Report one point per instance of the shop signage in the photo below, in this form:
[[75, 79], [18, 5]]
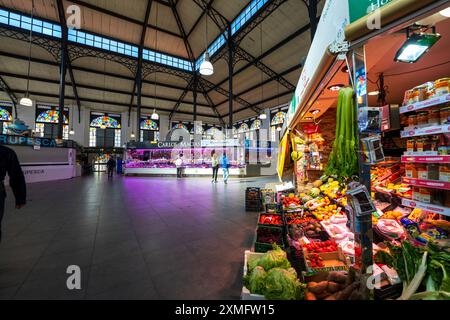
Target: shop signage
[[221, 143], [361, 8], [331, 27], [24, 141]]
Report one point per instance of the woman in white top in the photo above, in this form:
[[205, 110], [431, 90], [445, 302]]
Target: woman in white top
[[215, 165], [179, 165]]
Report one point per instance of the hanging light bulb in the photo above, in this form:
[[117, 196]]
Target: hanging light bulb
[[263, 116], [71, 132], [279, 128], [155, 116], [26, 101], [206, 68], [132, 135]]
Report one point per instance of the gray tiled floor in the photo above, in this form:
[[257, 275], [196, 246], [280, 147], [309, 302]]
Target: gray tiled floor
[[134, 238]]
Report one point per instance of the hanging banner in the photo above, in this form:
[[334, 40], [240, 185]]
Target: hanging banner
[[334, 18]]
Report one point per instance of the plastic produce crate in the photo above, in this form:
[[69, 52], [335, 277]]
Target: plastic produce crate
[[246, 294]]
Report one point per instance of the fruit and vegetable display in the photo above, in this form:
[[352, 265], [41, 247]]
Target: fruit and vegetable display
[[343, 161], [425, 271], [312, 229], [321, 247], [272, 276], [291, 201], [338, 285], [269, 235], [271, 219]]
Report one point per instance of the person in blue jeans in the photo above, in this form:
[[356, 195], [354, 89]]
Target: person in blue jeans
[[225, 168]]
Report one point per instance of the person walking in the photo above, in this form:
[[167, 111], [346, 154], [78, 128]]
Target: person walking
[[225, 168], [110, 165], [179, 165], [215, 165], [9, 164]]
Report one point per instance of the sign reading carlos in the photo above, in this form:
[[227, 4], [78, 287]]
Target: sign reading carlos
[[25, 141]]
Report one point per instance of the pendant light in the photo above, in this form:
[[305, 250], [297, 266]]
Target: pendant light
[[132, 135], [25, 100], [155, 116], [263, 115], [206, 67]]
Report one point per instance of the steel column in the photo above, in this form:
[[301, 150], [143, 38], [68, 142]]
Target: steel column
[[62, 69], [230, 77]]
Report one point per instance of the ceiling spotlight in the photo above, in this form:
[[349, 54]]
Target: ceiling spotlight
[[316, 111], [445, 12], [374, 93], [71, 132], [263, 116], [416, 46], [133, 135], [278, 128], [336, 87], [206, 67]]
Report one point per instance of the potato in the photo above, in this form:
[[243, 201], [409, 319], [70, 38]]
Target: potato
[[323, 295], [318, 287], [332, 297], [333, 287], [345, 294], [337, 276]]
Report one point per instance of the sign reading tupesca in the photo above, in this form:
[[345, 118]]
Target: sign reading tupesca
[[25, 141]]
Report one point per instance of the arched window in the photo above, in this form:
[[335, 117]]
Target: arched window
[[277, 121], [105, 122], [278, 118], [243, 128], [180, 126], [105, 130], [47, 121], [256, 125], [5, 119], [211, 133], [149, 130]]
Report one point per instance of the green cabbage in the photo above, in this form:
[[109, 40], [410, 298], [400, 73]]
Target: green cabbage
[[257, 280], [274, 259], [282, 284]]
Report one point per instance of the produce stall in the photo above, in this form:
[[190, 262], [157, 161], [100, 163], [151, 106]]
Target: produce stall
[[372, 227]]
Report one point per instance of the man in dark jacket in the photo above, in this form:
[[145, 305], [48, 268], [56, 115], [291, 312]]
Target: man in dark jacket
[[110, 165], [9, 164]]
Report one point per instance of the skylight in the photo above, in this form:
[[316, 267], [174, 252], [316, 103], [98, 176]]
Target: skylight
[[91, 40]]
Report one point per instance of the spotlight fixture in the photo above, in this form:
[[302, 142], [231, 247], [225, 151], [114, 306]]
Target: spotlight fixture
[[71, 132], [316, 111], [132, 135], [279, 128], [445, 12], [206, 67], [345, 69], [416, 45], [263, 116], [336, 87], [374, 93]]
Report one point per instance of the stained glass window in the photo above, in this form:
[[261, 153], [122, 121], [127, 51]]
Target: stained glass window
[[149, 124], [256, 125], [243, 128], [180, 126], [278, 118], [105, 122], [50, 116], [5, 115]]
